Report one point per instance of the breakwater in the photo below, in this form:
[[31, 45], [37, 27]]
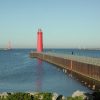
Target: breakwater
[[84, 69]]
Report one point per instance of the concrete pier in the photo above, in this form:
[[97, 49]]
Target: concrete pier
[[84, 69]]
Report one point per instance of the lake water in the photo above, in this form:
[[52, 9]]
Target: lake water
[[20, 73]]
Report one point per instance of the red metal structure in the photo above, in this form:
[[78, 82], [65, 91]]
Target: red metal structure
[[39, 41]]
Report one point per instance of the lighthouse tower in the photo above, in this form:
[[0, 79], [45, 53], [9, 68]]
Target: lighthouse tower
[[39, 41]]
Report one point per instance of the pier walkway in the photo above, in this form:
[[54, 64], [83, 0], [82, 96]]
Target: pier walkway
[[83, 59]]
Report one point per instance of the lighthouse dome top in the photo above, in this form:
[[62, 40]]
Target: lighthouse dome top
[[39, 30]]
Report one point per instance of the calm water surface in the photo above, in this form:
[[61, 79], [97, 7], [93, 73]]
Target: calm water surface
[[20, 73]]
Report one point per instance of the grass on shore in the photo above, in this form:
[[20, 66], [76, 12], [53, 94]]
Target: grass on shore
[[27, 96]]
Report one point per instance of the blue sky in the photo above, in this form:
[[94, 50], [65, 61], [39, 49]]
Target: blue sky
[[65, 23]]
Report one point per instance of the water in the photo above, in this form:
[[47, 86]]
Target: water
[[20, 73]]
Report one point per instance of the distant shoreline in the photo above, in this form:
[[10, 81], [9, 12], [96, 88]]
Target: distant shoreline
[[54, 48]]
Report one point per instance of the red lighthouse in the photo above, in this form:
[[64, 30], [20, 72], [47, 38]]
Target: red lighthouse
[[39, 41]]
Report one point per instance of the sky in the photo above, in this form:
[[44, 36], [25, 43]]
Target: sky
[[65, 23]]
